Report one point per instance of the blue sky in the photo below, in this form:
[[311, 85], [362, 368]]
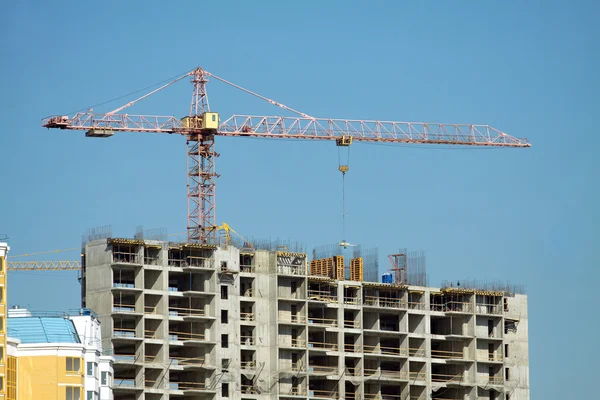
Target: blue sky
[[525, 215]]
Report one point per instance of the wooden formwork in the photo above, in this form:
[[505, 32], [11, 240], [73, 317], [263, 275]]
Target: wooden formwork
[[356, 269]]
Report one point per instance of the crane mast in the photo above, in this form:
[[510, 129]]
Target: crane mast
[[202, 126]]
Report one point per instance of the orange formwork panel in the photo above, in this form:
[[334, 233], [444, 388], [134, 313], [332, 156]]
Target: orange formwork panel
[[356, 269]]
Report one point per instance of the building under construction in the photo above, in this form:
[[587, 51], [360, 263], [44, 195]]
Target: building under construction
[[197, 321]]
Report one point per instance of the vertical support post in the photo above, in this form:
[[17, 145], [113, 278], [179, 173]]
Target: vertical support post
[[201, 168]]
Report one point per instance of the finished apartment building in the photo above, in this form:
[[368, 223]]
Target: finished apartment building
[[192, 321]]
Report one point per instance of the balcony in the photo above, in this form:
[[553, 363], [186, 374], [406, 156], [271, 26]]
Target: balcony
[[249, 389], [384, 302], [247, 317], [124, 358], [447, 378], [453, 306], [123, 308], [417, 376], [186, 336], [125, 257], [329, 322], [491, 380], [377, 373], [125, 333], [377, 396], [188, 313], [291, 342], [322, 370], [489, 309], [247, 340], [126, 384], [294, 391], [443, 354], [291, 319], [322, 346], [151, 310], [385, 350], [416, 305], [248, 364], [290, 366], [189, 386], [323, 296], [322, 394], [247, 293], [249, 269]]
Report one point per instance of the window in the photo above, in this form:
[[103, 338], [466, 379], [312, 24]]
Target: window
[[225, 390], [225, 364], [1, 324], [505, 304], [507, 373], [224, 341], [90, 395], [103, 378], [72, 392], [224, 292], [90, 370], [492, 395], [1, 354], [73, 364], [505, 350], [224, 317], [507, 396]]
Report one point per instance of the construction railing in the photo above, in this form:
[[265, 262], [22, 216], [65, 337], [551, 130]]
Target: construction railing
[[294, 391], [447, 378], [488, 308], [391, 374], [124, 308], [416, 352], [150, 359], [377, 301], [124, 333], [124, 257], [247, 340], [352, 348], [377, 396], [292, 342], [320, 295], [199, 262], [186, 312], [189, 385], [489, 357], [247, 268], [491, 380], [182, 336], [247, 316], [289, 366], [352, 371], [453, 306], [296, 319], [351, 300], [125, 383], [417, 376], [150, 310], [249, 389], [447, 354], [176, 262], [183, 361], [376, 349], [348, 323], [150, 334], [416, 305], [323, 345], [322, 369], [124, 358], [322, 394], [148, 383], [123, 284], [323, 321], [249, 364], [150, 260]]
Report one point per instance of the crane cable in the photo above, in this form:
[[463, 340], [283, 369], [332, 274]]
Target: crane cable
[[343, 168]]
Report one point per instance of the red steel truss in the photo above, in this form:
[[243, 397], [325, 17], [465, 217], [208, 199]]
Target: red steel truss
[[200, 142]]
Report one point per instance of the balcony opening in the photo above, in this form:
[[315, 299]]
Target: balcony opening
[[225, 389], [247, 262], [152, 255]]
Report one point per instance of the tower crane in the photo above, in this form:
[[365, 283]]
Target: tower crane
[[202, 126]]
